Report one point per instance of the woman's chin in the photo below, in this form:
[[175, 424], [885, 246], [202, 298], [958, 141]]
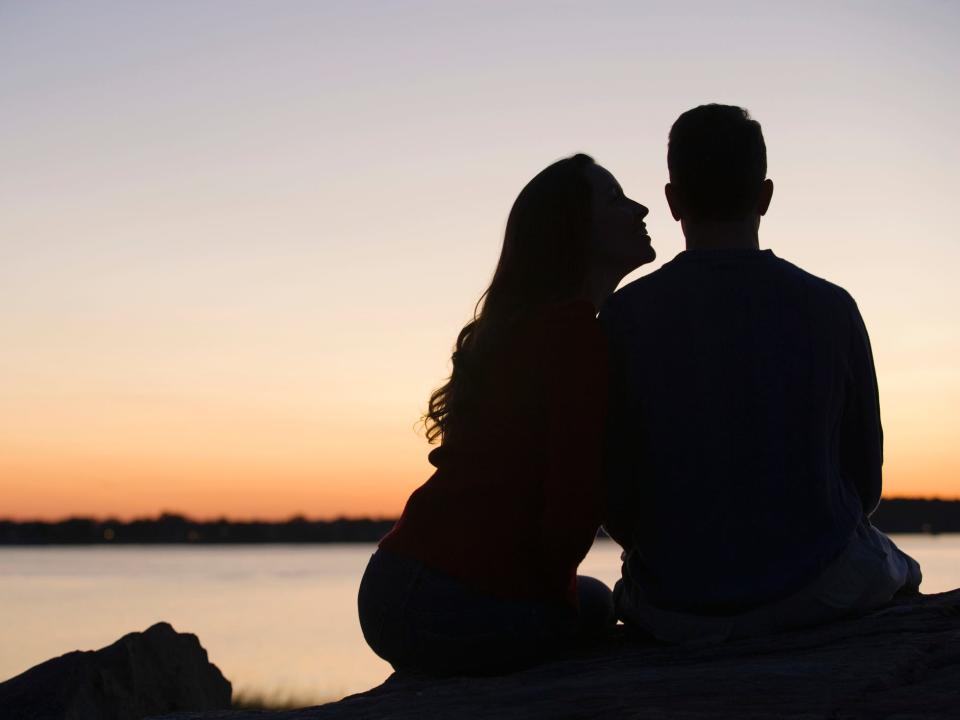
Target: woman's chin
[[627, 262], [647, 255]]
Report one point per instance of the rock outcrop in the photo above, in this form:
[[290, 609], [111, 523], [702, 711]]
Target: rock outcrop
[[149, 673], [901, 662]]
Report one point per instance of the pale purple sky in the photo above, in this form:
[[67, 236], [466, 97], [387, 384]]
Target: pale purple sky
[[237, 239]]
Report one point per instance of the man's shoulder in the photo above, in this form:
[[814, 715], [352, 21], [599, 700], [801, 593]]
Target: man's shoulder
[[636, 292], [814, 284], [671, 279]]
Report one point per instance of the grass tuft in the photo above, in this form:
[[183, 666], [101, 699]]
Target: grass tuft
[[254, 700]]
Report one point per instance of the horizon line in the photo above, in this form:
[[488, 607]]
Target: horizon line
[[301, 517]]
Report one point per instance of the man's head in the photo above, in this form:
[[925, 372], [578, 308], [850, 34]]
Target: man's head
[[718, 166]]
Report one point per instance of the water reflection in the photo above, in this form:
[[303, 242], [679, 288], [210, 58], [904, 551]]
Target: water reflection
[[279, 620]]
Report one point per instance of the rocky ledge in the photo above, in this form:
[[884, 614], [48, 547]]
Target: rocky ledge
[[143, 673], [900, 662]]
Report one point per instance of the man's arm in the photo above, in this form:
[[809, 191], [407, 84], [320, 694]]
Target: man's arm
[[617, 518], [574, 376], [861, 435]]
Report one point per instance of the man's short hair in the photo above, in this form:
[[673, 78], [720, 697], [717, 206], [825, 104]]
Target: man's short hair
[[717, 161]]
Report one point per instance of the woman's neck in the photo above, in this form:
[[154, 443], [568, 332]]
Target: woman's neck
[[599, 285]]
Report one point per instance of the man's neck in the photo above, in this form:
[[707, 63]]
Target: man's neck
[[720, 235]]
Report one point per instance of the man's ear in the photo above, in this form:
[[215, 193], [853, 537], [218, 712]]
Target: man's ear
[[766, 194], [671, 194]]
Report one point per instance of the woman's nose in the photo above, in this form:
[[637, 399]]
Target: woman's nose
[[642, 211]]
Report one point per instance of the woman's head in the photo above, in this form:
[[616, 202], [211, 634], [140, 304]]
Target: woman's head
[[619, 241], [546, 243], [569, 221]]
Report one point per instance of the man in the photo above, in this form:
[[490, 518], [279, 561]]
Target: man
[[745, 445]]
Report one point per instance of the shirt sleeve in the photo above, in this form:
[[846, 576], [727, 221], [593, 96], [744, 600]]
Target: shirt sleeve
[[574, 372], [861, 434]]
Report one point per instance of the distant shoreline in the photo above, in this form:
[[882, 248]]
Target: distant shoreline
[[896, 516]]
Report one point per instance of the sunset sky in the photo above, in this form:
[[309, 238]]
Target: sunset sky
[[237, 239]]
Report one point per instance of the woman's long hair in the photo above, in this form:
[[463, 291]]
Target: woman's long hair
[[543, 260]]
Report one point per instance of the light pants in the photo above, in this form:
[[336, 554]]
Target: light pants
[[865, 576]]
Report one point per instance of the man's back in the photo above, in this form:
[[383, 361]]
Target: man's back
[[744, 437]]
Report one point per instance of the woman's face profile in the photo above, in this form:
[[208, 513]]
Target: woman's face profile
[[619, 238]]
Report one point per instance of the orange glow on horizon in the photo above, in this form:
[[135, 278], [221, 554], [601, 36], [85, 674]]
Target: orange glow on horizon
[[250, 492]]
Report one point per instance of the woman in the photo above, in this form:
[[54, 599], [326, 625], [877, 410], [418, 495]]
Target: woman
[[479, 573]]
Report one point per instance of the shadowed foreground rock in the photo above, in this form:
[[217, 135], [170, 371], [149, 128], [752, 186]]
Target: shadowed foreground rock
[[156, 671], [902, 662]]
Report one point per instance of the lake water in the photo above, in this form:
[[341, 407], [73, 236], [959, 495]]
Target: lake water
[[278, 620]]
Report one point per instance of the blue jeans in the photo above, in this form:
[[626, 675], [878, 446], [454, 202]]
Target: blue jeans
[[421, 620]]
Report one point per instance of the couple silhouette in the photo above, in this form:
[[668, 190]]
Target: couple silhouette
[[720, 419]]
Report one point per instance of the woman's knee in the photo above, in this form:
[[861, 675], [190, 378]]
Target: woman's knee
[[386, 589], [596, 605]]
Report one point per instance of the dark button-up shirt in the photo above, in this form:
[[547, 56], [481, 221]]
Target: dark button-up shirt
[[744, 438]]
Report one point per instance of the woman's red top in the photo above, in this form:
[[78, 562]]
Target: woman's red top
[[516, 498]]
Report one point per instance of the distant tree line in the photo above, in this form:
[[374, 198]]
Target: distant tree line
[[893, 516], [170, 528], [907, 515]]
